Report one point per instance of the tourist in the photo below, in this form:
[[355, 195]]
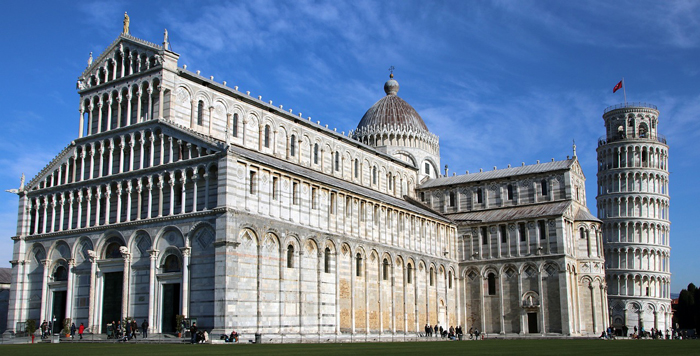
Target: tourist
[[193, 333], [72, 331], [80, 330], [144, 328]]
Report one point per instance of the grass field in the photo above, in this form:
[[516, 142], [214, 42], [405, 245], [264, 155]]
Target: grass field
[[486, 347]]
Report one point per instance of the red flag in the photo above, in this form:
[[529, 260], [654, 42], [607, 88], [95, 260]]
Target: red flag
[[617, 86]]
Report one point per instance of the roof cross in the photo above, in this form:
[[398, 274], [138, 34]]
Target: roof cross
[[391, 71]]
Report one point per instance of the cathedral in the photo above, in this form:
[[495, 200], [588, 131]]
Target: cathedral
[[183, 197]]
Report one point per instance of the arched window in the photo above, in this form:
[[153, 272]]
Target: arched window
[[385, 269], [266, 139], [357, 168], [293, 145], [358, 265], [452, 199], [234, 128], [374, 175], [432, 277], [582, 233], [427, 168], [290, 256], [327, 260], [200, 113], [543, 184], [479, 195], [112, 251], [492, 284], [449, 279], [315, 153], [337, 161], [61, 274], [409, 274], [172, 264]]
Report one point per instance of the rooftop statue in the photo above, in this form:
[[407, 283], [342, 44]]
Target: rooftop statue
[[126, 24]]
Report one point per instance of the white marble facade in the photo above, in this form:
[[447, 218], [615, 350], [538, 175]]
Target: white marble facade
[[182, 195]]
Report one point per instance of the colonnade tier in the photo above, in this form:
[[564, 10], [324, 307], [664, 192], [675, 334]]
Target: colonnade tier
[[397, 136], [633, 181], [128, 104], [646, 207], [638, 231], [117, 154], [638, 285], [650, 154], [177, 191], [646, 258]]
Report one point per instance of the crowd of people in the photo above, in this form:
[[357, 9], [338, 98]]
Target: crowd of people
[[640, 333], [451, 333], [128, 331]]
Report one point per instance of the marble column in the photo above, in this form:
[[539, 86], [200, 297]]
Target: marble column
[[125, 282], [186, 251], [131, 152], [160, 102], [129, 189], [150, 197], [153, 255], [92, 325], [183, 198], [69, 290], [44, 292], [194, 178], [108, 206], [92, 161]]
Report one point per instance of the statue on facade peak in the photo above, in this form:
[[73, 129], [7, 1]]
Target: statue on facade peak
[[90, 59], [126, 24]]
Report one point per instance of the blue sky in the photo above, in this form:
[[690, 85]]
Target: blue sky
[[501, 82]]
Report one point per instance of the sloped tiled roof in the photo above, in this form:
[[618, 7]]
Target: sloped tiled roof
[[5, 275], [513, 213], [584, 215], [500, 173]]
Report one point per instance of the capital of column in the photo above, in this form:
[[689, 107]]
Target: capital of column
[[153, 254], [92, 255], [46, 263], [124, 251], [186, 251]]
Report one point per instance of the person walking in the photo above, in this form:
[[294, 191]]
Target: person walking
[[144, 328], [193, 333], [72, 331], [81, 328], [134, 328]]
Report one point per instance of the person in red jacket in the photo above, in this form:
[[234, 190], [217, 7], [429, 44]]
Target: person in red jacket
[[80, 330]]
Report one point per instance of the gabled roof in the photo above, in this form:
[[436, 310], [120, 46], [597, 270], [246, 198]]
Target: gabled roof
[[500, 173], [121, 38]]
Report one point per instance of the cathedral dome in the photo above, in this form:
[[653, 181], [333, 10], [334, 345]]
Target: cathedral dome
[[391, 112]]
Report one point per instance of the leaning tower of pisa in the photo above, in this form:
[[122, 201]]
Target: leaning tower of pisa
[[633, 202]]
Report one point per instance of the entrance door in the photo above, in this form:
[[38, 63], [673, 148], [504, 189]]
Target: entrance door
[[58, 311], [171, 306], [532, 323], [112, 298]]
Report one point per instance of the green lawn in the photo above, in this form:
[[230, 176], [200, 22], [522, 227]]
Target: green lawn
[[486, 347]]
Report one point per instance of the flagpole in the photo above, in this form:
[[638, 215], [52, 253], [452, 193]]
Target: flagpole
[[624, 92]]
